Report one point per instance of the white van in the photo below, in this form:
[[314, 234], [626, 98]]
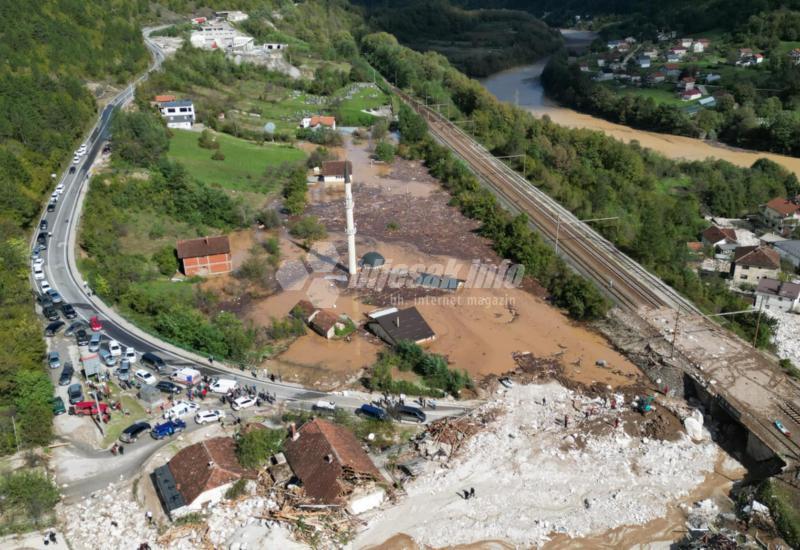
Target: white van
[[187, 376], [223, 385], [181, 409]]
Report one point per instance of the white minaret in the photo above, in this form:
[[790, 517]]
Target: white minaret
[[351, 226]]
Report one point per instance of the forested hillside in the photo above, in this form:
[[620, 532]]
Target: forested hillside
[[478, 42], [50, 50]]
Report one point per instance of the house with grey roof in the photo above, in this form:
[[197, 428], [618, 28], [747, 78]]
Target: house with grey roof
[[776, 295], [179, 114], [789, 250]]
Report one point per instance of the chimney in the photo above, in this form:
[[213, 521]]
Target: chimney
[[293, 432], [206, 239], [328, 458], [397, 320], [210, 464]]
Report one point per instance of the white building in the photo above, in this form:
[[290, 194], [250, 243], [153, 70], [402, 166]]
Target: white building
[[219, 35], [198, 476], [777, 296], [752, 263], [232, 16], [179, 114]]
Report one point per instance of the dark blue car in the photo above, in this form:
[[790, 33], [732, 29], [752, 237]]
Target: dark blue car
[[168, 428], [373, 412]]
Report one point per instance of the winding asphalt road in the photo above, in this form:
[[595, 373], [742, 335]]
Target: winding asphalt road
[[63, 275]]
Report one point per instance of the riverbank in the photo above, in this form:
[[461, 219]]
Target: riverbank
[[522, 86]]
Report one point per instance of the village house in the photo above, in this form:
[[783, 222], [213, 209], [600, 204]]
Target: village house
[[794, 55], [686, 42], [680, 52], [333, 468], [178, 113], [198, 476], [672, 70], [322, 321], [205, 256], [782, 214], [691, 95], [644, 62], [686, 83], [336, 171], [776, 295], [584, 67], [392, 326], [711, 78], [722, 238], [752, 263], [232, 16], [221, 35], [789, 250], [652, 53], [318, 121], [708, 102], [657, 77], [673, 58]]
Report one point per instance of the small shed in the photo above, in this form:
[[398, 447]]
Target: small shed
[[372, 259], [150, 395], [91, 365], [406, 324]]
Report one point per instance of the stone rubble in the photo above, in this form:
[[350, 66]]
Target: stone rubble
[[786, 337]]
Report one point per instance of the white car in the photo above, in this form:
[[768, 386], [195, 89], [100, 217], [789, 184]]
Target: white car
[[54, 196], [59, 188], [213, 415], [38, 273], [38, 262], [223, 385], [114, 348], [130, 355], [181, 409], [243, 402], [76, 159], [44, 285], [145, 377]]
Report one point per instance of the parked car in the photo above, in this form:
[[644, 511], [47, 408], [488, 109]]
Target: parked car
[[168, 428], [37, 261], [54, 360], [327, 406], [187, 375], [44, 300], [94, 342], [414, 413], [222, 385], [373, 412], [50, 313], [130, 355], [41, 240], [54, 328], [108, 359], [58, 406], [68, 311], [153, 361], [124, 371], [168, 387], [76, 326], [89, 408], [506, 381], [45, 286], [132, 432], [114, 348], [66, 374], [203, 417], [95, 324], [43, 225], [59, 190], [82, 337], [145, 377], [181, 409], [38, 272], [72, 169], [243, 402], [75, 393], [782, 428], [51, 206], [55, 296]]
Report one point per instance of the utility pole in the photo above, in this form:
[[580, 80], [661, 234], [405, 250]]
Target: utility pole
[[758, 322], [558, 225], [675, 332]]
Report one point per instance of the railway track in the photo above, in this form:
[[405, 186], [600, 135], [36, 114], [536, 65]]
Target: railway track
[[622, 279]]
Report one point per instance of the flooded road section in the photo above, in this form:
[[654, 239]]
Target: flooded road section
[[522, 86]]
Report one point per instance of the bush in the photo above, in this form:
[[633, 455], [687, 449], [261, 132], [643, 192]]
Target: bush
[[140, 138], [384, 151], [289, 327], [318, 156], [432, 368], [236, 490], [309, 229], [29, 498], [167, 261], [269, 218], [219, 155], [207, 140], [255, 447]]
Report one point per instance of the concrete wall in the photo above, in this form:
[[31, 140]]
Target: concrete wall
[[207, 499], [752, 274], [207, 265]]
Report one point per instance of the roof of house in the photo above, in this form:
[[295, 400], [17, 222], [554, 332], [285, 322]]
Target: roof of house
[[323, 120], [774, 287], [204, 246], [178, 103], [694, 246], [206, 465], [164, 98], [784, 207], [324, 320], [405, 324], [757, 256], [304, 308], [716, 234], [322, 454], [337, 168], [791, 247]]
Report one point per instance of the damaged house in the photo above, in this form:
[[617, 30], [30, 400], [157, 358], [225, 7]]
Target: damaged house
[[333, 468]]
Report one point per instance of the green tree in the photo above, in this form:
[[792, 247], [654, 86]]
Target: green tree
[[255, 447], [384, 151], [308, 228], [140, 138], [412, 126], [167, 260]]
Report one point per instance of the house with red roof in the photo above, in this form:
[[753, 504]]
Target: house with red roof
[[318, 121], [782, 214], [752, 263], [205, 256]]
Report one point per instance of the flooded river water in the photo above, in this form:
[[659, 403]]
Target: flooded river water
[[522, 86]]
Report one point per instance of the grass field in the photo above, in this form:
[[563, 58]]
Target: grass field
[[350, 109], [244, 164]]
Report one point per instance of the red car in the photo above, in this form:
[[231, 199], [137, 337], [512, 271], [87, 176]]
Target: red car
[[95, 324]]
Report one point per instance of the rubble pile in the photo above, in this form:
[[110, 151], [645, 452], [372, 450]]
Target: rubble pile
[[111, 516], [785, 338], [539, 468], [444, 437]]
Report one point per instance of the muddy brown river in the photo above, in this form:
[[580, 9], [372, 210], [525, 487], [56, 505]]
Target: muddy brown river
[[522, 86]]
